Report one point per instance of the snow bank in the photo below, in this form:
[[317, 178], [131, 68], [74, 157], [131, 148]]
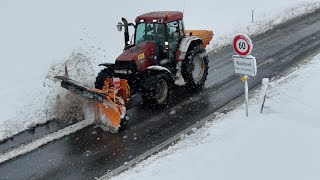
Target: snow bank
[[26, 148], [37, 37], [50, 100], [281, 143], [274, 14]]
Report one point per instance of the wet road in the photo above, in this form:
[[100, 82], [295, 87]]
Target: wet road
[[91, 152]]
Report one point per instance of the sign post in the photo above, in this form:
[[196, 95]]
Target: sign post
[[244, 63]]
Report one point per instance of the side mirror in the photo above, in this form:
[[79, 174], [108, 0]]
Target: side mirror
[[119, 26]]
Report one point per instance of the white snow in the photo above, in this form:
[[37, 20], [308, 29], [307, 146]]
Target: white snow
[[26, 148], [37, 37], [281, 143], [44, 140], [158, 68]]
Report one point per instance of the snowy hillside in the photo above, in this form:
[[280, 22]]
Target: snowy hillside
[[37, 37], [281, 143]]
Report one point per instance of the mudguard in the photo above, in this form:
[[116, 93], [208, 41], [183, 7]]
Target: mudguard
[[109, 66], [156, 68], [184, 46]]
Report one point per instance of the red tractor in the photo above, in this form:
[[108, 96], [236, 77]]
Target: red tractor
[[160, 54]]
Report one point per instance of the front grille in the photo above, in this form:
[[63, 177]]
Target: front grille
[[128, 65], [134, 78]]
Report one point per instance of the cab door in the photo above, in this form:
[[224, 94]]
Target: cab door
[[174, 30]]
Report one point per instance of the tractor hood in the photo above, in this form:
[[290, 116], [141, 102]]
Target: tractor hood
[[141, 52]]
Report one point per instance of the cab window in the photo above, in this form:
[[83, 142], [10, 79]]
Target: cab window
[[174, 36], [150, 32]]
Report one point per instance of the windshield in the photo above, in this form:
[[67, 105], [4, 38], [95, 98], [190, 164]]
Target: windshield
[[150, 32]]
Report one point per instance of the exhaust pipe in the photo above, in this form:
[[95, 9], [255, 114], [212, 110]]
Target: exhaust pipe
[[126, 33]]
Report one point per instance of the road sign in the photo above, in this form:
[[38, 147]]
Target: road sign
[[245, 65], [242, 44]]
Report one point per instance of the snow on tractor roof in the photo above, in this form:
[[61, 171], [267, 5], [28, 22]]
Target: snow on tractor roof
[[160, 17]]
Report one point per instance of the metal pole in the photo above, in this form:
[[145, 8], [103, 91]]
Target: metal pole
[[66, 73], [264, 88], [246, 89], [252, 16]]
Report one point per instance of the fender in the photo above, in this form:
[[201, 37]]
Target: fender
[[160, 68], [109, 66], [184, 46]]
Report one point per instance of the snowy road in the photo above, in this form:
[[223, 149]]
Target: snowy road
[[91, 152]]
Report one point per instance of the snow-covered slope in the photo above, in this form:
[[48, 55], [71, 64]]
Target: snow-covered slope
[[37, 37], [281, 143]]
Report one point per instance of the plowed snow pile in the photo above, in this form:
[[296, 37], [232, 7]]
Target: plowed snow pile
[[51, 101]]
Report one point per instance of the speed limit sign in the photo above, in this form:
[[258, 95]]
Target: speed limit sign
[[242, 44], [244, 63]]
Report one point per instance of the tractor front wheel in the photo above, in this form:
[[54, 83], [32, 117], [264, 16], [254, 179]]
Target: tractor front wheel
[[156, 89], [102, 76]]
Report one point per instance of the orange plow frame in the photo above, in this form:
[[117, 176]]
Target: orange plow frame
[[113, 106], [110, 110]]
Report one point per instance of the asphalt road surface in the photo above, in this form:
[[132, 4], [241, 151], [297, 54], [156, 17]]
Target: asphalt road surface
[[91, 152]]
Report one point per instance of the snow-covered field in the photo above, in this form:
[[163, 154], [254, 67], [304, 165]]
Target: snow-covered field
[[37, 37], [282, 143]]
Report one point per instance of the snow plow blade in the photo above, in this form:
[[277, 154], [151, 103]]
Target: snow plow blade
[[110, 110], [79, 88]]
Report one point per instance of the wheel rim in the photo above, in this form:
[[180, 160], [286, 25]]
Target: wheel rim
[[198, 68], [162, 90]]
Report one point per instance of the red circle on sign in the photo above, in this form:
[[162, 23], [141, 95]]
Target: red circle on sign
[[242, 45]]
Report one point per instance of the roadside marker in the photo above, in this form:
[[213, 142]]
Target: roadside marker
[[263, 94]]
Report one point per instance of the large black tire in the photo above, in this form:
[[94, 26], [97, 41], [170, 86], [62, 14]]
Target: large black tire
[[195, 68], [157, 89], [102, 75]]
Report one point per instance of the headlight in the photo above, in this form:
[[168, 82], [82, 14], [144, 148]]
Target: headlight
[[122, 71]]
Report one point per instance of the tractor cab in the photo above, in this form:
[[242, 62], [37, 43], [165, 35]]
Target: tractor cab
[[161, 30], [164, 28]]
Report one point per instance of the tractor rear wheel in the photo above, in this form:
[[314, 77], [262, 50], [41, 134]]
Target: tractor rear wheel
[[156, 89], [102, 76], [195, 68]]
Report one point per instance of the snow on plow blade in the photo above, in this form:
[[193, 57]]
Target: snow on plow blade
[[110, 111]]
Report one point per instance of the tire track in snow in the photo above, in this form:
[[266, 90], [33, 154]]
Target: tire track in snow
[[26, 148]]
